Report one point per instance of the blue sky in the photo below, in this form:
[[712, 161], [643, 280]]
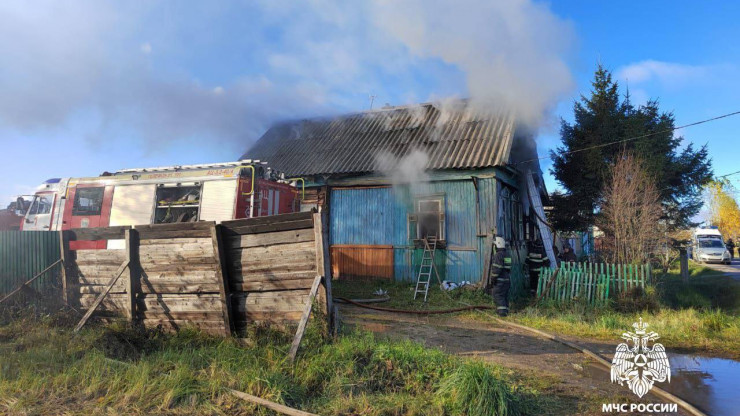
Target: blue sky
[[88, 86]]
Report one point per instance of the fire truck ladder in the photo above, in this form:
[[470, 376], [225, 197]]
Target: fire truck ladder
[[427, 265]]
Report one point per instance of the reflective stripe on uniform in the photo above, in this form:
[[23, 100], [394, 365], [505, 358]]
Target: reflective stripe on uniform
[[496, 265], [503, 280], [502, 308], [536, 260]]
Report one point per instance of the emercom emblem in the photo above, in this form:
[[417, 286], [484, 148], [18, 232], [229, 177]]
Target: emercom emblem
[[640, 366]]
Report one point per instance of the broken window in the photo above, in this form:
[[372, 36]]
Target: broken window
[[429, 218], [88, 201], [177, 203]]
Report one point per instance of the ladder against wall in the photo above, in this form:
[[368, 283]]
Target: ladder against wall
[[427, 267]]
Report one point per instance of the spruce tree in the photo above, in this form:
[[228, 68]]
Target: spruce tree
[[604, 117]]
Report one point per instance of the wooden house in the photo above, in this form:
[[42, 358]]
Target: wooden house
[[389, 177]]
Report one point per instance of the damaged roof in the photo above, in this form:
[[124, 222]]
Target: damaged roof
[[454, 135]]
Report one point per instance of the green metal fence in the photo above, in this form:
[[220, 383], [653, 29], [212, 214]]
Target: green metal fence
[[23, 254], [594, 282]]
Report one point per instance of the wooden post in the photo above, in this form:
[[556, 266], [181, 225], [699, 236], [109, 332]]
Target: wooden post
[[276, 407], [134, 272], [684, 260], [222, 276], [65, 257], [321, 267], [304, 319]]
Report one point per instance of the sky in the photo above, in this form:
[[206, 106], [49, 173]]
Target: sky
[[91, 86]]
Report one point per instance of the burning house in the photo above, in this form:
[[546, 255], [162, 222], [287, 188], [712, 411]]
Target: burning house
[[391, 177]]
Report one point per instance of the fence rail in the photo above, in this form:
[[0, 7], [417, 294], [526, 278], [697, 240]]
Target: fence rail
[[594, 282]]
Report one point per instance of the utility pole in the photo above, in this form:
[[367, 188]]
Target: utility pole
[[372, 99]]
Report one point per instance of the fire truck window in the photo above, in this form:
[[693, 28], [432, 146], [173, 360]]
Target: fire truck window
[[41, 205], [177, 204], [88, 201]]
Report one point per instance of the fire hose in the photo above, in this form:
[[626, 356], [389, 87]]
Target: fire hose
[[416, 312]]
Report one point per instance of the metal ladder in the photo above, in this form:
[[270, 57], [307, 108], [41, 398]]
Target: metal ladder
[[427, 265]]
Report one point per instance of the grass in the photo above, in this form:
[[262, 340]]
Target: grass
[[46, 369], [699, 316]]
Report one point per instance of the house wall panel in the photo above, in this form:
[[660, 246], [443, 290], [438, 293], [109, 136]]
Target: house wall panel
[[379, 216], [362, 261]]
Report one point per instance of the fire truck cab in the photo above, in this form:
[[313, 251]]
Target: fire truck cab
[[208, 192]]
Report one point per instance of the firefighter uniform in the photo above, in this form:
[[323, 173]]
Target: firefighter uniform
[[536, 260], [499, 280]]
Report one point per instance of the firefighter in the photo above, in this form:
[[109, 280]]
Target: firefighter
[[731, 248], [568, 255], [499, 275], [536, 260]]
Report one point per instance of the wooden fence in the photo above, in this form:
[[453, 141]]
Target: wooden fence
[[594, 282], [218, 277]]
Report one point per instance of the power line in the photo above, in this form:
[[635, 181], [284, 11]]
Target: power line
[[637, 137]]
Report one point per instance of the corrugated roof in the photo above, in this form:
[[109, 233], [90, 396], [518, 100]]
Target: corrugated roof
[[453, 135]]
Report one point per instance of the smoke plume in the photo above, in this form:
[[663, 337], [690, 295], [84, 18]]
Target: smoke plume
[[168, 71], [513, 52]]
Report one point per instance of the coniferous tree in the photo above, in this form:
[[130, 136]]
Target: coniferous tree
[[604, 117]]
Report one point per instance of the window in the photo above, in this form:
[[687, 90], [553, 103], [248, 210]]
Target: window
[[179, 203], [430, 217], [41, 205], [88, 201]]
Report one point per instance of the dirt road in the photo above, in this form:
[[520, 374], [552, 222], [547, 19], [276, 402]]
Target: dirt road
[[567, 373]]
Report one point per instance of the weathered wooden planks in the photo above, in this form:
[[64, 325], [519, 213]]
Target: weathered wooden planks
[[106, 233], [269, 239], [218, 278]]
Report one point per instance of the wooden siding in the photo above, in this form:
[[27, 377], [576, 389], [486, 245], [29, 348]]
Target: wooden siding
[[362, 261]]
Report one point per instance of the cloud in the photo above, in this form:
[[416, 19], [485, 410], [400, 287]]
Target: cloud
[[146, 48], [666, 73]]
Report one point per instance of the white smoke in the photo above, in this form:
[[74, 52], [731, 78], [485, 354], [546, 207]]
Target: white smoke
[[406, 170], [513, 52]]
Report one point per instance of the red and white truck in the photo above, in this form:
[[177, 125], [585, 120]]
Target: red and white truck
[[206, 192]]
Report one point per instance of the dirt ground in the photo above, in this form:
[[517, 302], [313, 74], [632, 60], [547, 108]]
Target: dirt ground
[[567, 373]]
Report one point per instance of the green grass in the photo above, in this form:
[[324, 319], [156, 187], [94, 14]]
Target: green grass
[[45, 368], [699, 316]]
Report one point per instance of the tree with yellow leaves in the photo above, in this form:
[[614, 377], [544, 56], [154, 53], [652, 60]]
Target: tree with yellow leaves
[[722, 208]]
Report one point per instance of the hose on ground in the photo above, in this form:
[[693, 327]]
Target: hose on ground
[[364, 301], [417, 312]]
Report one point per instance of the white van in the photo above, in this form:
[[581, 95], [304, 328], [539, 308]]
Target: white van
[[708, 246]]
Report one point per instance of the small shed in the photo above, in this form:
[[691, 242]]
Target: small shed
[[392, 176]]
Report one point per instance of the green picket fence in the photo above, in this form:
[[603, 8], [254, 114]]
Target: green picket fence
[[594, 282]]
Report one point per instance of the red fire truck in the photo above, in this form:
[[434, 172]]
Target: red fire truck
[[207, 192]]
